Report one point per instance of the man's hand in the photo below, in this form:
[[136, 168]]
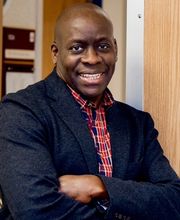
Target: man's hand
[[83, 188]]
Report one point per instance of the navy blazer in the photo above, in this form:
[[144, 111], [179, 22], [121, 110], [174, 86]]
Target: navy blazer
[[43, 136]]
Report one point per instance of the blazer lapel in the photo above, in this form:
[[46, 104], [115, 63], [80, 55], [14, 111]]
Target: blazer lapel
[[119, 133], [66, 107]]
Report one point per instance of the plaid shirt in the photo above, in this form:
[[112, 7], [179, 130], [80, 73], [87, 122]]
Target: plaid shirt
[[96, 121]]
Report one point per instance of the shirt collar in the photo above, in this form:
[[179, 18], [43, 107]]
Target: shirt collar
[[107, 100]]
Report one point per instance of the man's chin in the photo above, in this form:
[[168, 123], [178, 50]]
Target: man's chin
[[92, 96]]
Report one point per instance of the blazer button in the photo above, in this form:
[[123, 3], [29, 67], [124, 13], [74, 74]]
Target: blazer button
[[118, 215], [121, 217]]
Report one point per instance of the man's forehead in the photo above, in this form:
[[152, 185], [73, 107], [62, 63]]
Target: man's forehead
[[85, 20], [84, 27]]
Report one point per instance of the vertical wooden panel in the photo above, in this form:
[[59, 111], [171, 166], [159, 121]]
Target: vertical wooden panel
[[51, 10], [0, 47], [162, 73]]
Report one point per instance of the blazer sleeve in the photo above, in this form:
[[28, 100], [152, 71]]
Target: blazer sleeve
[[157, 196], [28, 177]]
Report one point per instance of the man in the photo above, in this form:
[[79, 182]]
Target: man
[[68, 150]]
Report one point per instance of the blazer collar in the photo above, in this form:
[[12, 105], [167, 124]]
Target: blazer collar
[[63, 103], [118, 128]]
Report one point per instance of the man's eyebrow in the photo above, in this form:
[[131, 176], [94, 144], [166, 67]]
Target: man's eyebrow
[[103, 39], [76, 40]]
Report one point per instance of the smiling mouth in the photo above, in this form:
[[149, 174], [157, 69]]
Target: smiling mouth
[[91, 76]]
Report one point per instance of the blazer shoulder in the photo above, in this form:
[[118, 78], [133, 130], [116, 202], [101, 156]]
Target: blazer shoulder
[[32, 94], [27, 96], [123, 107], [131, 113]]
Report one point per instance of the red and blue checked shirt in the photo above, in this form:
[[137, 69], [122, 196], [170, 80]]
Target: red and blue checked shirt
[[96, 121]]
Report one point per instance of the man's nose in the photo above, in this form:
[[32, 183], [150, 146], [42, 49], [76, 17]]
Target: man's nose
[[91, 56]]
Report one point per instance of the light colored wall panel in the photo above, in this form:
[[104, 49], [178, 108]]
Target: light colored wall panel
[[162, 73], [20, 14]]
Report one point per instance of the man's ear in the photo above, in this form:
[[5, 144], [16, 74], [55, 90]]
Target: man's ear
[[54, 52]]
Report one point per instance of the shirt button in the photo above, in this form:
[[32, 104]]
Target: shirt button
[[121, 217], [90, 104]]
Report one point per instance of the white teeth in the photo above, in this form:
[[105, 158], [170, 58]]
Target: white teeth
[[91, 76]]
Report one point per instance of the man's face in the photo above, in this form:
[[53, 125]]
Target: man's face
[[86, 55]]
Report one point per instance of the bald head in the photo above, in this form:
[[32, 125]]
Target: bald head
[[81, 11]]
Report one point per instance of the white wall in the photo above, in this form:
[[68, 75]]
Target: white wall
[[20, 14]]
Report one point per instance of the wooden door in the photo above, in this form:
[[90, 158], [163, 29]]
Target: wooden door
[[162, 73]]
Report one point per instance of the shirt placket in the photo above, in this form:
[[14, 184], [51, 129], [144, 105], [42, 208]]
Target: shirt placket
[[100, 139]]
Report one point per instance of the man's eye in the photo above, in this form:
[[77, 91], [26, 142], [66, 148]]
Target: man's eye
[[76, 49], [104, 46]]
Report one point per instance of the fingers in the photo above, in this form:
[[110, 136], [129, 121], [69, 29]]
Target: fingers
[[82, 188]]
